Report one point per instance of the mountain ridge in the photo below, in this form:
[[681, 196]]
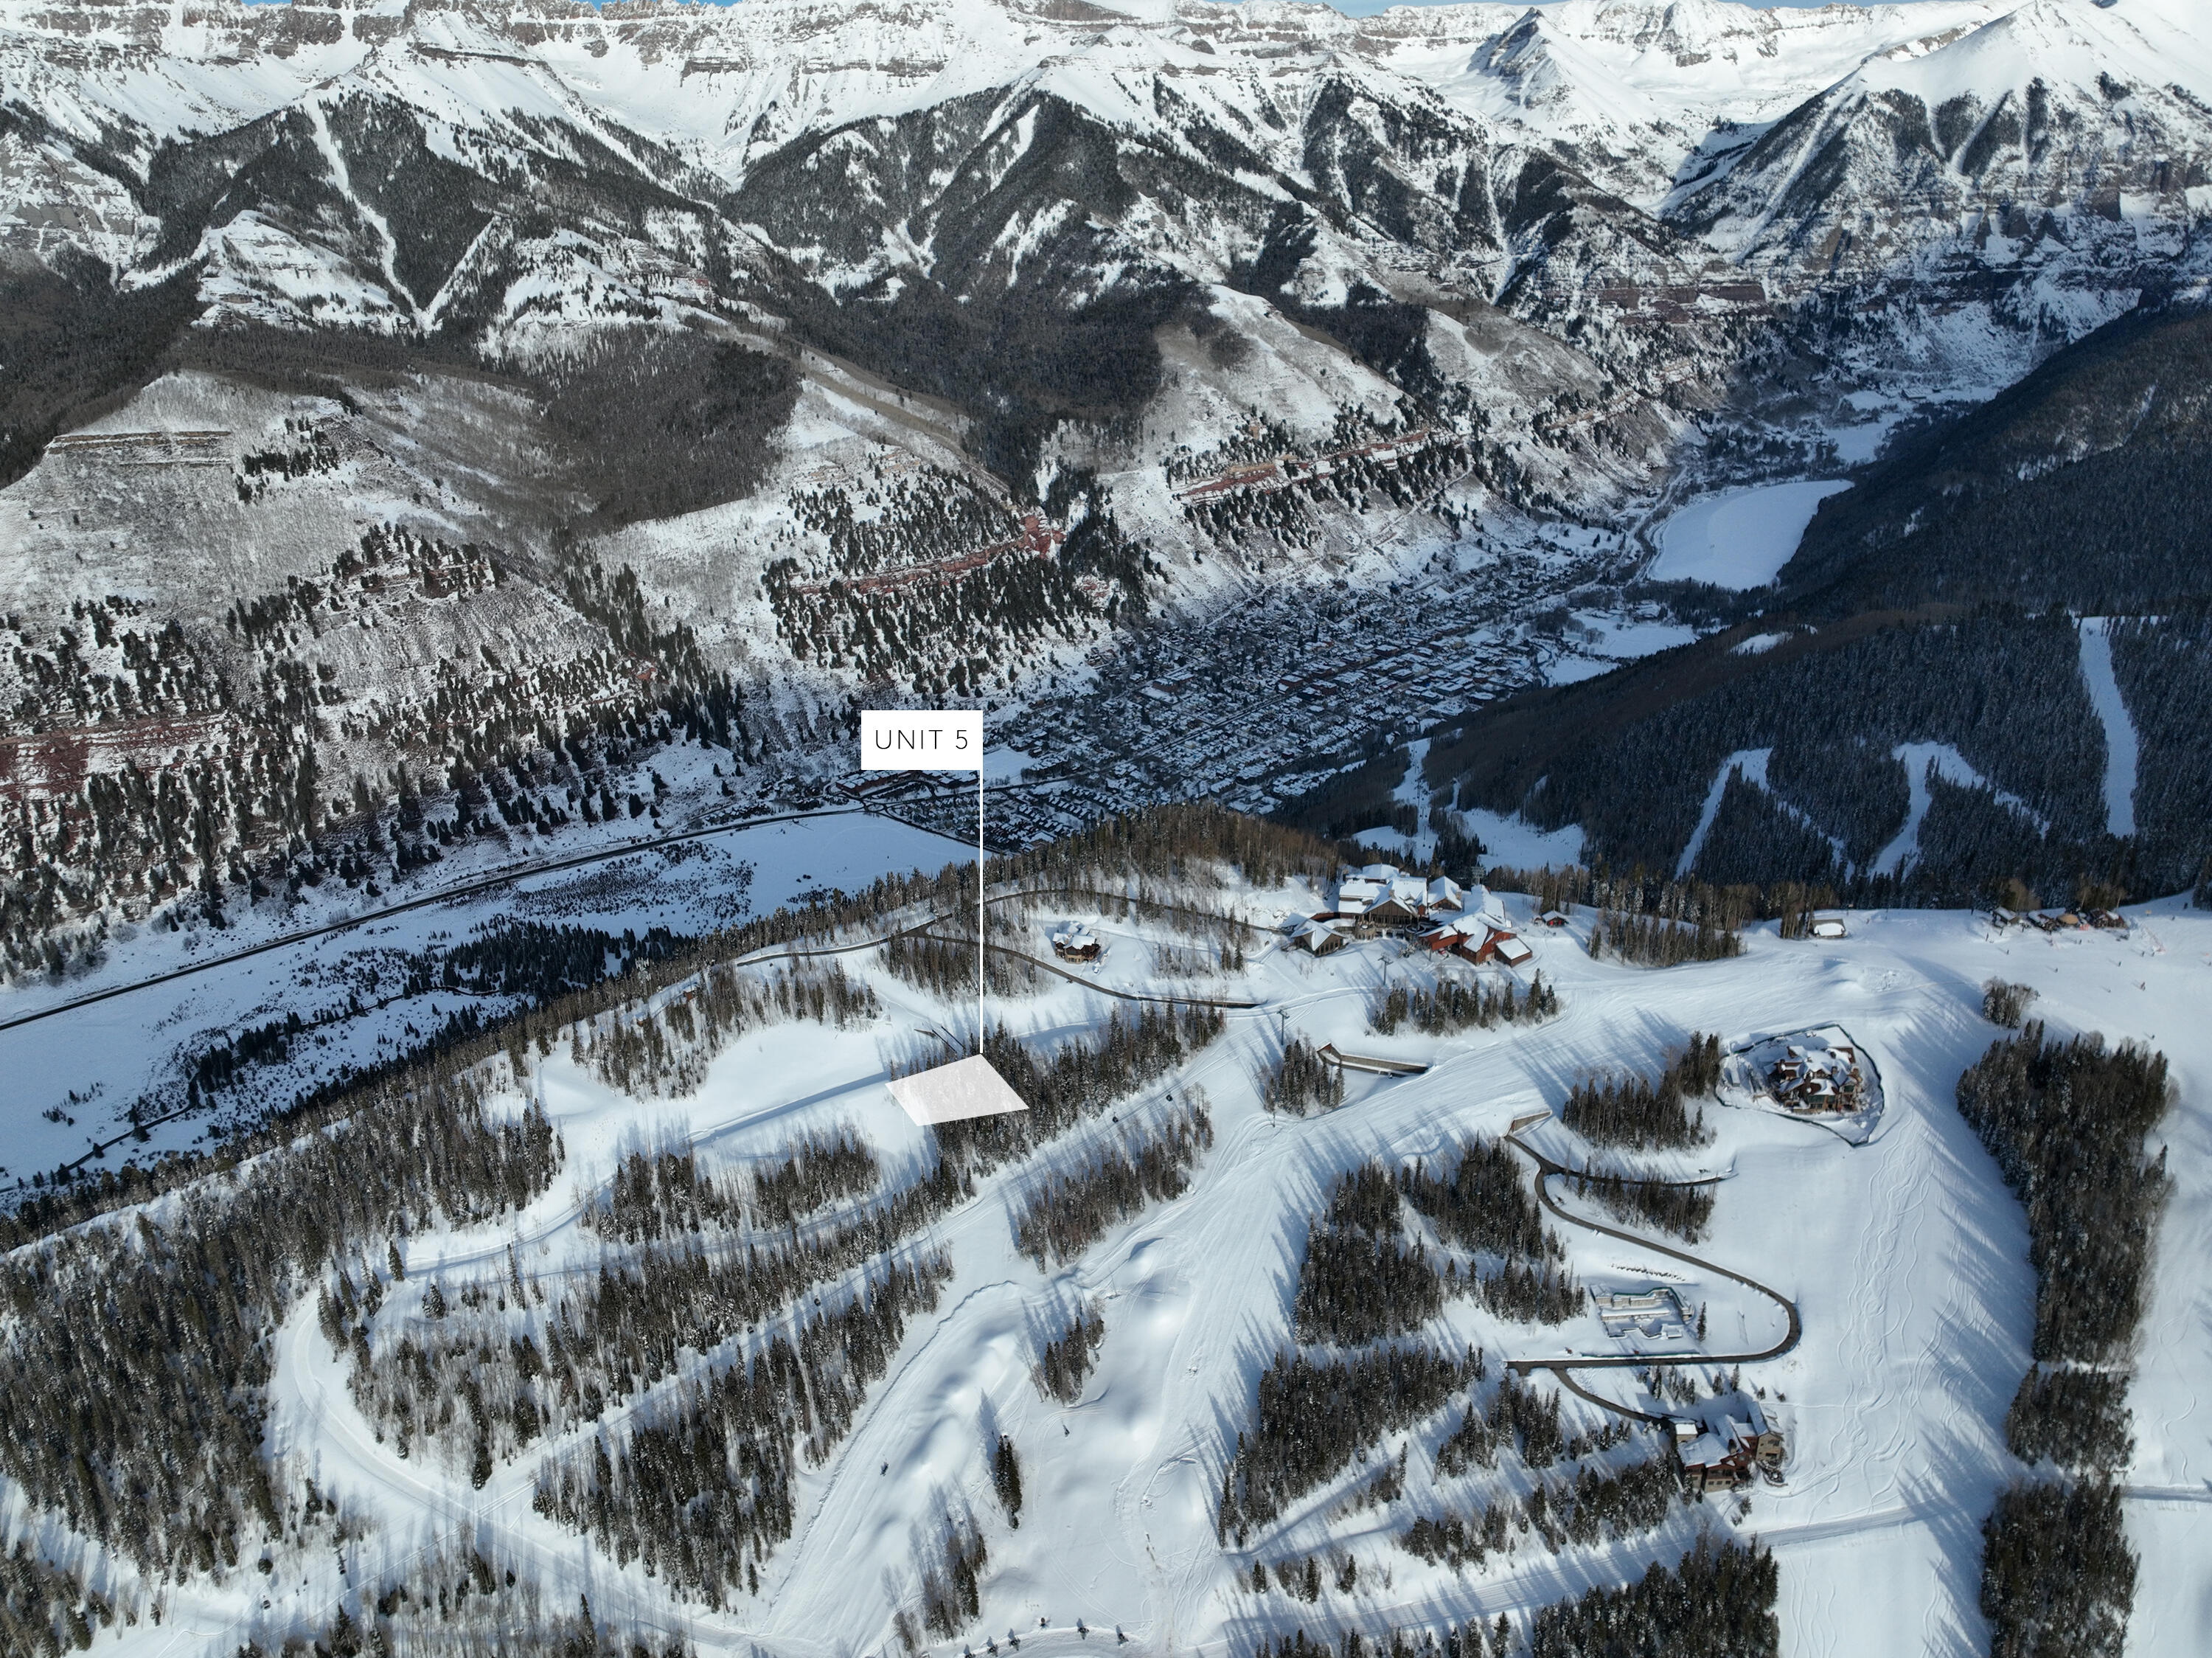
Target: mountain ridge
[[1261, 310]]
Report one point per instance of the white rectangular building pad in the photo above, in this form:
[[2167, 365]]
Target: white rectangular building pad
[[947, 1093]]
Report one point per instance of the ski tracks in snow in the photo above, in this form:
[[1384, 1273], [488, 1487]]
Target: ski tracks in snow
[[419, 1509]]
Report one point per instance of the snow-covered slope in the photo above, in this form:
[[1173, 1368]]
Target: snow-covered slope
[[1679, 107], [1644, 181], [1904, 1256], [1637, 94], [2064, 140]]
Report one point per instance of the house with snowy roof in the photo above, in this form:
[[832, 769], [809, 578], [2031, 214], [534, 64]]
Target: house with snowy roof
[[1356, 894], [1076, 943], [1478, 939], [1316, 937], [1655, 1311], [1401, 903], [1724, 1458], [1817, 1077], [1707, 1461], [1380, 897]]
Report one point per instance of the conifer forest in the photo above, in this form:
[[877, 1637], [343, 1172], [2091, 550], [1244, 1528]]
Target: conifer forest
[[1013, 828]]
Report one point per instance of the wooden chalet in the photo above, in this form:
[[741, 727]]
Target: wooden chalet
[[1391, 913], [1382, 899], [1724, 1459], [1809, 1080], [1076, 943], [2066, 921], [1316, 936], [1480, 940]]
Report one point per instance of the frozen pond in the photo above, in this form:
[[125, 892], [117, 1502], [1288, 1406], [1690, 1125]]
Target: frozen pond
[[1739, 538]]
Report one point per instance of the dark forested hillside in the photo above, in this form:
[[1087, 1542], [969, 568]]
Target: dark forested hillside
[[68, 341], [2067, 1123], [1815, 728], [2163, 667], [2087, 485], [1718, 1603], [1931, 604]]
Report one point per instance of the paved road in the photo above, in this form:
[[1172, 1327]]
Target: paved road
[[766, 955], [1078, 979], [444, 895], [1546, 1170]]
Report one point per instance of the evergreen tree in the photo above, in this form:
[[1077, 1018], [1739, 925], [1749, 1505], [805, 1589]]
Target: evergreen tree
[[1007, 1480]]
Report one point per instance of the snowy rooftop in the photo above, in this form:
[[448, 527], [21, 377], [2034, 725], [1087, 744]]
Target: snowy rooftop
[[1706, 1451]]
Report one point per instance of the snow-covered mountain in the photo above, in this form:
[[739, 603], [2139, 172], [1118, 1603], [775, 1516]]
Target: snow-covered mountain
[[791, 308], [463, 467], [365, 164], [2063, 144]]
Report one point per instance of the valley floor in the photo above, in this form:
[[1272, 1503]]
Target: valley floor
[[97, 1060]]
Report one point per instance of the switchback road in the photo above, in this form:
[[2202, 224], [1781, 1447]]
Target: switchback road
[[1547, 1169]]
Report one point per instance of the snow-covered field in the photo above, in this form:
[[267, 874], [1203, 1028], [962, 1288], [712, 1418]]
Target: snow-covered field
[[1738, 538], [74, 1076], [1519, 844], [1905, 1256], [1603, 642]]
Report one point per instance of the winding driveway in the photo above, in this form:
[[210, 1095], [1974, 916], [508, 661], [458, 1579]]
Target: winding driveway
[[1546, 1170]]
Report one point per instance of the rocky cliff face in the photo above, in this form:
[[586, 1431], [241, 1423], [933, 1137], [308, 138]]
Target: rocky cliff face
[[1646, 182], [789, 309]]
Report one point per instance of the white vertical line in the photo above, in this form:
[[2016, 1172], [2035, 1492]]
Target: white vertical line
[[2121, 752], [979, 904]]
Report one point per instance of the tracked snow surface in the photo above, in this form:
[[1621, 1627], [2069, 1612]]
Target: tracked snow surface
[[1904, 1256]]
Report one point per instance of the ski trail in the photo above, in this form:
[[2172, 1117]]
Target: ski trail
[[1753, 763], [1919, 759], [1414, 790], [342, 176], [2120, 753], [421, 1505], [1904, 845], [1757, 774]]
